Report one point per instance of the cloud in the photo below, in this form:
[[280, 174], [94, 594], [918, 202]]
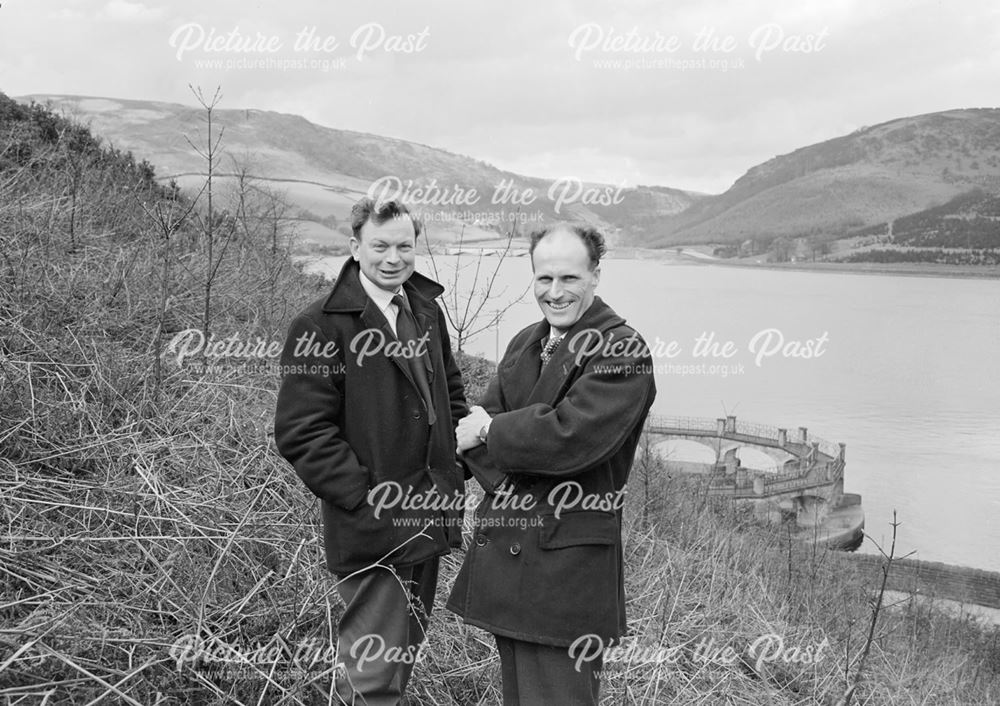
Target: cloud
[[496, 87], [66, 14], [125, 11]]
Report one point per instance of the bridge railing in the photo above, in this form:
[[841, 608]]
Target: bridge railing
[[831, 450], [761, 431], [689, 423], [742, 428], [774, 471], [806, 473], [771, 486], [795, 471]]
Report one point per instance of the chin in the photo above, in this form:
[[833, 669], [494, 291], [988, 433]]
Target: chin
[[563, 323]]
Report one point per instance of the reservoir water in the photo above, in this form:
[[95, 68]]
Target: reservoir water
[[904, 370]]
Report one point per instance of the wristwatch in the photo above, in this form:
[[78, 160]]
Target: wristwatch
[[482, 433]]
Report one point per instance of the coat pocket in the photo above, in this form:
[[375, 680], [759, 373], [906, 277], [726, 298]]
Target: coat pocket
[[358, 536], [580, 549], [574, 529]]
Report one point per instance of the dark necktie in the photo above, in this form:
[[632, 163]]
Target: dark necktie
[[406, 332], [550, 348]]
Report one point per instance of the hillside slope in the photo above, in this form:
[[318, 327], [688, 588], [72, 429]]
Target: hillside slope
[[324, 170], [871, 176]]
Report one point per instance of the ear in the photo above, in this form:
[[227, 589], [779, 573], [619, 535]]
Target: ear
[[355, 246], [597, 276]]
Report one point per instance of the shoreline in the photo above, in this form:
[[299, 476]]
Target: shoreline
[[906, 269], [910, 269]]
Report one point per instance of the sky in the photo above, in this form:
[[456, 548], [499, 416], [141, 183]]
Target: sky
[[682, 94]]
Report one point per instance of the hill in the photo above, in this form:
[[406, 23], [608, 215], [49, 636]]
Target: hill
[[963, 231], [324, 170], [849, 185], [869, 177]]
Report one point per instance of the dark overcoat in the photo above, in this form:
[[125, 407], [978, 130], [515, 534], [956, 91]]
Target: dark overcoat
[[349, 417], [545, 561]]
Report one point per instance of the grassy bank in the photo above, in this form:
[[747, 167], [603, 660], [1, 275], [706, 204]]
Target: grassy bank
[[145, 508]]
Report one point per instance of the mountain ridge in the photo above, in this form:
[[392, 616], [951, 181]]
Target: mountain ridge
[[829, 190], [873, 174], [331, 167]]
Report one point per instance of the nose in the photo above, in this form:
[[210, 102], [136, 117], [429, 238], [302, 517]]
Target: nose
[[555, 289], [392, 255]]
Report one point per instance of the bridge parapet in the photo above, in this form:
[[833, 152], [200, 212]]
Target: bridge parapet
[[746, 484], [763, 488], [731, 428], [762, 431], [683, 423]]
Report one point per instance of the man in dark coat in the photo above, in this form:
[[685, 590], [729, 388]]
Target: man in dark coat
[[552, 446], [369, 400]]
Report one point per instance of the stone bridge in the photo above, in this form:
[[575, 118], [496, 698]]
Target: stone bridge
[[805, 480]]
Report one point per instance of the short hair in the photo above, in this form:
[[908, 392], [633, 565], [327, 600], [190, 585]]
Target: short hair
[[591, 237], [378, 212]]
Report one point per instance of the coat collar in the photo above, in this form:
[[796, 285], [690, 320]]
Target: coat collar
[[348, 296], [530, 382]]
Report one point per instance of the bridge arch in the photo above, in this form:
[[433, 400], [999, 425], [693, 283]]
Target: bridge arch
[[692, 455], [752, 458], [757, 456]]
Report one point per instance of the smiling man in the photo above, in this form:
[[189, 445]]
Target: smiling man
[[565, 277], [349, 423], [552, 447]]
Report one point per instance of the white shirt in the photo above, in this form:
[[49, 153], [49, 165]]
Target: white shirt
[[382, 299], [552, 334]]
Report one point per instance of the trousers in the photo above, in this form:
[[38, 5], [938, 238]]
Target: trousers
[[542, 675], [381, 631]]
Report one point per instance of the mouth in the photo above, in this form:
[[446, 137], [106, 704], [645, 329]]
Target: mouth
[[389, 273], [560, 306]]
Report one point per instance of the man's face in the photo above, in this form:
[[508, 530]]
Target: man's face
[[386, 253], [564, 282]]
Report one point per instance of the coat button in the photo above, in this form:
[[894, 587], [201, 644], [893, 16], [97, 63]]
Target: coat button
[[480, 540], [515, 548], [416, 414]]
